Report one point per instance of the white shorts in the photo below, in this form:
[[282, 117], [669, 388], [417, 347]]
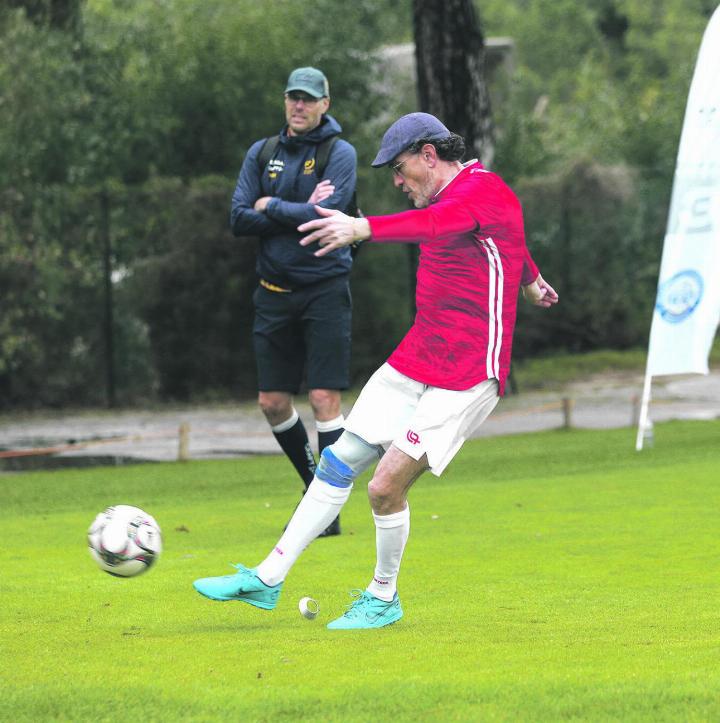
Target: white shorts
[[417, 418]]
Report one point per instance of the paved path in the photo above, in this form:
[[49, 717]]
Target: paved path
[[214, 432]]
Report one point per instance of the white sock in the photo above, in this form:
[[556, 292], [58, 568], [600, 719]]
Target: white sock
[[317, 509], [287, 424], [391, 535], [331, 425]]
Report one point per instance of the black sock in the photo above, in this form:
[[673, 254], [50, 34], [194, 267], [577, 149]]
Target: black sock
[[325, 439], [295, 444]]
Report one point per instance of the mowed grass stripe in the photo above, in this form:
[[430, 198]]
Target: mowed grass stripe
[[549, 576]]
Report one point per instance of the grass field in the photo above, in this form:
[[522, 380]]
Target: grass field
[[555, 576]]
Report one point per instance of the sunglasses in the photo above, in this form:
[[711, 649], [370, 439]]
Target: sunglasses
[[395, 168]]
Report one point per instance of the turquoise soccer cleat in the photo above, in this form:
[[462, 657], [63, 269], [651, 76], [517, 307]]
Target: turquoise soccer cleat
[[367, 611], [244, 586]]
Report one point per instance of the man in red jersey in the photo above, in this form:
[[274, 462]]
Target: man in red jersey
[[446, 375]]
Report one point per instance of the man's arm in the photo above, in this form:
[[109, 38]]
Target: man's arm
[[530, 270], [244, 219], [323, 190], [335, 229], [500, 204], [341, 171]]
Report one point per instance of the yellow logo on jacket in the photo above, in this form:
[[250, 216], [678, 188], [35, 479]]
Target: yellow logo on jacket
[[309, 167]]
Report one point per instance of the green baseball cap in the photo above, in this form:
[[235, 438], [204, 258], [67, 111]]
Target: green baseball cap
[[309, 80]]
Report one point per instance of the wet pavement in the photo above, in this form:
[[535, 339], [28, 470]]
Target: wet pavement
[[106, 437]]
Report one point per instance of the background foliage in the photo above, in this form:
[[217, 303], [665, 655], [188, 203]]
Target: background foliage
[[126, 128]]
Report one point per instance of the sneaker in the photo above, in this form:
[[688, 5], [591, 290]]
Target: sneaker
[[367, 611], [244, 586], [332, 529]]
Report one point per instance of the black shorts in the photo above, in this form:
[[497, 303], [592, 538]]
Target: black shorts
[[303, 332]]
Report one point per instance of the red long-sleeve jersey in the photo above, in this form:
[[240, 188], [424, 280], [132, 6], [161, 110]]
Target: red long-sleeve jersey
[[473, 259]]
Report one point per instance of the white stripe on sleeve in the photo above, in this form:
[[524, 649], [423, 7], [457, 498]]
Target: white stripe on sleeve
[[498, 306]]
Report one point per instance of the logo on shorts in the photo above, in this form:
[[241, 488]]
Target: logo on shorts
[[412, 437], [279, 551]]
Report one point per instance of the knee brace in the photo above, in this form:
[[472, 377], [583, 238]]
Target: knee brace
[[343, 461]]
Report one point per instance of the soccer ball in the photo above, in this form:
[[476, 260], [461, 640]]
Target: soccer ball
[[124, 541]]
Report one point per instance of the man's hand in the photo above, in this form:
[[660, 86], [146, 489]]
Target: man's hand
[[334, 231], [323, 190], [261, 203], [540, 293]]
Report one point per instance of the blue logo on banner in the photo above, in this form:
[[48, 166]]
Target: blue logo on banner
[[679, 296]]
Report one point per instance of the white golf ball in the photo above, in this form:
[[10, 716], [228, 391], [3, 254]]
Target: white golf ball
[[309, 608]]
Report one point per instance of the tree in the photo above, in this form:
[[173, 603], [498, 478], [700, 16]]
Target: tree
[[65, 15], [450, 62], [138, 101], [450, 59]]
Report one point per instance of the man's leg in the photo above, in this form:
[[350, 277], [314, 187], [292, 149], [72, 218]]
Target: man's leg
[[280, 358], [388, 498], [437, 427], [340, 464], [379, 605], [289, 431], [329, 422], [327, 332], [329, 418]]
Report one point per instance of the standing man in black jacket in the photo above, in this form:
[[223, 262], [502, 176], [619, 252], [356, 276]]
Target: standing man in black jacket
[[302, 302]]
